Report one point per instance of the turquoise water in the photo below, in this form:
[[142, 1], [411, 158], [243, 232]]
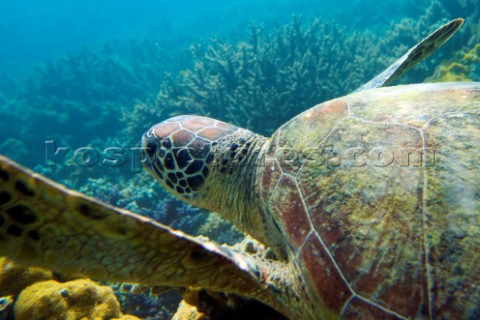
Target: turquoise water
[[36, 30], [79, 78]]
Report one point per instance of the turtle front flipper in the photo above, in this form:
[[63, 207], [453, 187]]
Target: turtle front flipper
[[416, 54], [45, 224]]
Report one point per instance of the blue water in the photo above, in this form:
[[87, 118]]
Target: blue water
[[33, 30]]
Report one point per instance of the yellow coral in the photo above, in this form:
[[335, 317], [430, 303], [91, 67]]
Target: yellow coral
[[473, 56], [127, 317], [14, 278], [78, 299], [458, 71], [187, 311], [452, 72]]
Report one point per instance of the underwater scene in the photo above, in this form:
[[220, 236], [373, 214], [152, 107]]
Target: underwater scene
[[81, 83]]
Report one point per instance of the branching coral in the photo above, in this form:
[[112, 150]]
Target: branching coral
[[265, 80], [268, 78]]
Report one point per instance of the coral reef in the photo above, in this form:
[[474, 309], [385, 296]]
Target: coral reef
[[33, 292], [266, 79], [78, 299], [454, 71], [149, 303], [87, 88], [14, 278], [472, 59], [465, 66], [144, 196]]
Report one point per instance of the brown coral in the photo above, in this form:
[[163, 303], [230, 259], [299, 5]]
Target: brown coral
[[14, 278]]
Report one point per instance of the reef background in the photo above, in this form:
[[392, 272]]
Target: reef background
[[97, 75]]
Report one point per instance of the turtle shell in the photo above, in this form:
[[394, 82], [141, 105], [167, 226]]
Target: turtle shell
[[378, 196]]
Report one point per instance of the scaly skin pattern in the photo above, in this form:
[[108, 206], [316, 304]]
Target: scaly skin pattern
[[377, 195], [44, 224]]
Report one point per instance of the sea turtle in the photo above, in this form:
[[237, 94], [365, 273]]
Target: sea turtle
[[370, 203]]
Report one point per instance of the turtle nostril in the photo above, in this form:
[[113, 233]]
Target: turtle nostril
[[166, 143]]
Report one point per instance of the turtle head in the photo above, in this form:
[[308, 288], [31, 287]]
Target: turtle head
[[209, 164], [180, 153]]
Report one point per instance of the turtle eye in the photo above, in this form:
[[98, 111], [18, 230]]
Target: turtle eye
[[150, 147], [166, 143]]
